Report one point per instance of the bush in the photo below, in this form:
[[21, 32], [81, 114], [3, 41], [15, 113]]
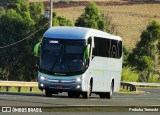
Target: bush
[[129, 75], [91, 18], [154, 79]]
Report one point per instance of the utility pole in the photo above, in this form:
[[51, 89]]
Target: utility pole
[[50, 13]]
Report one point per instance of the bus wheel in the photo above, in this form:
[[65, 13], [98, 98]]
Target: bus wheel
[[102, 95], [77, 94], [88, 93], [48, 93], [73, 94], [70, 94], [109, 94]]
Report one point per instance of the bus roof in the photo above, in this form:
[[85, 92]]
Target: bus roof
[[66, 32]]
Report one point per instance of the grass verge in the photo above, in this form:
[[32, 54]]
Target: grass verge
[[124, 91], [23, 89]]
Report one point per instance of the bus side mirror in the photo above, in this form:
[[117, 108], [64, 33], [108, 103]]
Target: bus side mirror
[[87, 51], [36, 49]]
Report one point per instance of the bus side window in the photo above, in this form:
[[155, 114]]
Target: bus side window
[[106, 47], [120, 49], [116, 49], [102, 47]]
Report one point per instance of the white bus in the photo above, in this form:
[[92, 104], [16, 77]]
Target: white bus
[[79, 61]]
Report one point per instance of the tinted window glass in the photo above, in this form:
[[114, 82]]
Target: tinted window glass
[[107, 48], [102, 46]]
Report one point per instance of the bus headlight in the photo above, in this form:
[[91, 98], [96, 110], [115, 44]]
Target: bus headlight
[[78, 79], [42, 77]]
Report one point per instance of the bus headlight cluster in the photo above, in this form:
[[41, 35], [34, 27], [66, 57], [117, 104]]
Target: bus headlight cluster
[[41, 85], [43, 78], [78, 86], [77, 79]]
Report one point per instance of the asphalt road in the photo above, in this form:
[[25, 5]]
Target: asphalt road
[[150, 99]]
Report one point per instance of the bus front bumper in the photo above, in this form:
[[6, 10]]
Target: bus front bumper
[[60, 87]]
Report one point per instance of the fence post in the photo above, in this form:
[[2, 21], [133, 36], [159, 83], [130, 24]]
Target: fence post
[[127, 87], [31, 89], [19, 89], [123, 86], [7, 88], [131, 88]]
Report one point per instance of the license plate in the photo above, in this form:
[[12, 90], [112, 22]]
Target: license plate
[[59, 86]]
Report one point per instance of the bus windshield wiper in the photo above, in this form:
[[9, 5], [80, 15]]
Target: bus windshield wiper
[[58, 59], [65, 57]]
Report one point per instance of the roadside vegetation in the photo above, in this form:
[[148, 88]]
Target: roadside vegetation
[[137, 24], [23, 89], [20, 20]]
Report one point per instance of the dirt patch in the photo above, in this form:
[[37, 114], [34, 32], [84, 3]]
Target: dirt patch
[[63, 4]]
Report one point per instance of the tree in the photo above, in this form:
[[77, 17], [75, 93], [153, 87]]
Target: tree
[[16, 24], [61, 21], [20, 6], [144, 55], [91, 18], [125, 56], [2, 10], [14, 27], [20, 21], [37, 11]]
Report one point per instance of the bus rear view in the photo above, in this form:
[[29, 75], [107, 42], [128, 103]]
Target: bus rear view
[[66, 62]]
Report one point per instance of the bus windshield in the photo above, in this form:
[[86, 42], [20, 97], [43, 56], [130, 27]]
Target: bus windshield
[[62, 57]]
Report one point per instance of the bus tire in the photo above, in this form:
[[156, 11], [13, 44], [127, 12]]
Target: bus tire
[[109, 94], [70, 94], [88, 93], [102, 95], [77, 94], [48, 93], [73, 94]]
